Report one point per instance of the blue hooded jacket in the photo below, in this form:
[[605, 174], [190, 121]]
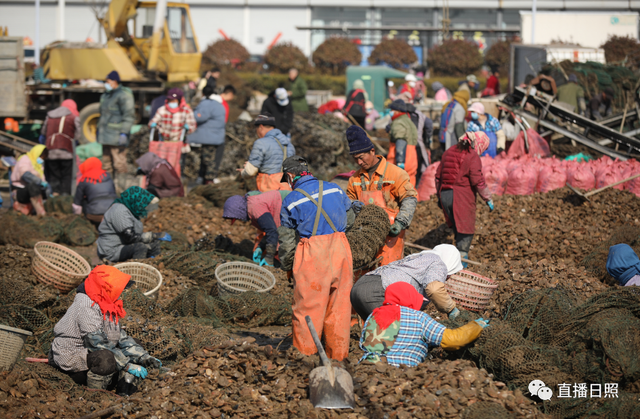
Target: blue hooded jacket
[[266, 153], [623, 263]]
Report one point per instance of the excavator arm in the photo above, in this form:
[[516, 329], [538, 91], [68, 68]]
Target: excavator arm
[[115, 20]]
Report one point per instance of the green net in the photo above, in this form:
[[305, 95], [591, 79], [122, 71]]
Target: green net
[[368, 233], [596, 261], [61, 204], [26, 231]]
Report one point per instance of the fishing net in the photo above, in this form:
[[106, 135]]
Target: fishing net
[[596, 261], [77, 231], [26, 231], [60, 204], [368, 233], [199, 265], [220, 192], [486, 409]]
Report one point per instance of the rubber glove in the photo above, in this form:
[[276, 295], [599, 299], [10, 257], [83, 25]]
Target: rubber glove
[[44, 184], [166, 237], [490, 204], [154, 124], [149, 361], [263, 262], [186, 127], [396, 228], [400, 165], [482, 322], [454, 313], [137, 370], [257, 255], [123, 139]]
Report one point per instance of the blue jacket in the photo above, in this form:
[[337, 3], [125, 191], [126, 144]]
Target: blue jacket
[[210, 116], [299, 213], [267, 155]]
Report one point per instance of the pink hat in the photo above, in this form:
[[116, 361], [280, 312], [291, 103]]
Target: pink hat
[[479, 140], [477, 107]]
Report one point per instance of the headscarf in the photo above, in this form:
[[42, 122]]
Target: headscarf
[[104, 286], [462, 97], [359, 84], [136, 200], [478, 140], [91, 170], [71, 105], [149, 161], [396, 295], [32, 155], [450, 255], [623, 263], [436, 85], [235, 207]]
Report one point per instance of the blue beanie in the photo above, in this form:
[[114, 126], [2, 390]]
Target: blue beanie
[[114, 76], [236, 207], [358, 140]]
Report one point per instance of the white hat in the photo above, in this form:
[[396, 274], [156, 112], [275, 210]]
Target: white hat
[[281, 96], [450, 255], [410, 77]]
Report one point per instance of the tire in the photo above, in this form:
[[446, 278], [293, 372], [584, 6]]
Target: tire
[[89, 116]]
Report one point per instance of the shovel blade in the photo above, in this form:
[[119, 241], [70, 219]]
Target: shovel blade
[[331, 388]]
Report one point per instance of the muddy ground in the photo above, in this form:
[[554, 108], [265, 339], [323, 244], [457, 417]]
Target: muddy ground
[[528, 242]]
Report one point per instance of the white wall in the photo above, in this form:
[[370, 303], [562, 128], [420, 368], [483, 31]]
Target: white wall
[[589, 29], [208, 20], [265, 23]]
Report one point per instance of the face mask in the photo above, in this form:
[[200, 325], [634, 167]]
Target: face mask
[[412, 83], [39, 160], [392, 113], [173, 105], [474, 115], [108, 87]]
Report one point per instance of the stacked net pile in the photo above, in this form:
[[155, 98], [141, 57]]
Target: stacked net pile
[[26, 231], [596, 261], [368, 233], [60, 204]]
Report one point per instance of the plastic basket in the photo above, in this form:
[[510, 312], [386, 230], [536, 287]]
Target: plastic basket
[[11, 342], [147, 278], [470, 290], [238, 277], [56, 265]]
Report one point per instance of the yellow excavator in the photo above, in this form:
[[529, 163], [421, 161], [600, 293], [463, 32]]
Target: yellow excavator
[[148, 43]]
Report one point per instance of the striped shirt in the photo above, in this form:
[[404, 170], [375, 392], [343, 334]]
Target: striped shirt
[[417, 332], [419, 270]]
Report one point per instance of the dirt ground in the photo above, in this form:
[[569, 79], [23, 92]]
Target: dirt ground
[[528, 242]]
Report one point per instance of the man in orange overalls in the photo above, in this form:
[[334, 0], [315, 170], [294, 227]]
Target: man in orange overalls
[[384, 184]]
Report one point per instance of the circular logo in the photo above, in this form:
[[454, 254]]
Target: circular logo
[[615, 20], [545, 393], [536, 385], [371, 200]]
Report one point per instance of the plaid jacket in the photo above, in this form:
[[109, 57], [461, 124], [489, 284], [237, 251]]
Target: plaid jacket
[[170, 124], [491, 125], [417, 331]]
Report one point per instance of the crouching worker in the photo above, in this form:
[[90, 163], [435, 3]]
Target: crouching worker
[[95, 192], [89, 344], [162, 179], [28, 183], [263, 210], [316, 212], [426, 271], [623, 265], [120, 235], [403, 334]]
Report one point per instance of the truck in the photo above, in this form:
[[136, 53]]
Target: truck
[[150, 44]]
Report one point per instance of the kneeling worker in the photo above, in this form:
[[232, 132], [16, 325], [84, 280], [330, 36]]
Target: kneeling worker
[[316, 211], [89, 344]]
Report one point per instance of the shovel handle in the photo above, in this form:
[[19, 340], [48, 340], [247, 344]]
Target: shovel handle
[[323, 356]]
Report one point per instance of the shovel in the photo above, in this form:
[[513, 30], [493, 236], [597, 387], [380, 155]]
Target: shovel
[[588, 194], [329, 387]]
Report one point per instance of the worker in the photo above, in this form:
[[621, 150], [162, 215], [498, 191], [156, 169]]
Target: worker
[[470, 84], [426, 271], [403, 139], [623, 265], [356, 103], [61, 129], [545, 84], [95, 191], [601, 103], [321, 262], [384, 184], [458, 179], [409, 86], [452, 120], [174, 117], [441, 93], [227, 95], [279, 105], [210, 135], [263, 210], [573, 94], [28, 184], [401, 333], [269, 151], [90, 346], [120, 235], [117, 115], [372, 116], [161, 178], [493, 84], [297, 92], [482, 121]]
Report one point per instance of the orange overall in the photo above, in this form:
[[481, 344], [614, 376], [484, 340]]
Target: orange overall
[[273, 182], [322, 281], [410, 161], [392, 186]]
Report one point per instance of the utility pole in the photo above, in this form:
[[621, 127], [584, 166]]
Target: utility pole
[[533, 22], [446, 22], [61, 12]]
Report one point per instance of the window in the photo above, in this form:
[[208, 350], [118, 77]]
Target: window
[[180, 30]]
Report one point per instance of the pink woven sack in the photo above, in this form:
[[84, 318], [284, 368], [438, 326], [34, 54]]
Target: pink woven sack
[[496, 178], [427, 185], [522, 181]]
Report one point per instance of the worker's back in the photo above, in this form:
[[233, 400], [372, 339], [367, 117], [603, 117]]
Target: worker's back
[[267, 153]]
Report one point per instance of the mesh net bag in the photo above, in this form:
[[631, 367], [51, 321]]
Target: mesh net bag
[[367, 234]]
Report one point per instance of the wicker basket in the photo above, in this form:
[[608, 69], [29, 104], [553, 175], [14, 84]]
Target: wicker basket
[[11, 342], [470, 290], [56, 265], [237, 277], [147, 278]]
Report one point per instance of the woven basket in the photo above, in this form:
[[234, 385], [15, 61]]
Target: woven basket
[[147, 278], [470, 290], [11, 342], [56, 265], [238, 277]]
